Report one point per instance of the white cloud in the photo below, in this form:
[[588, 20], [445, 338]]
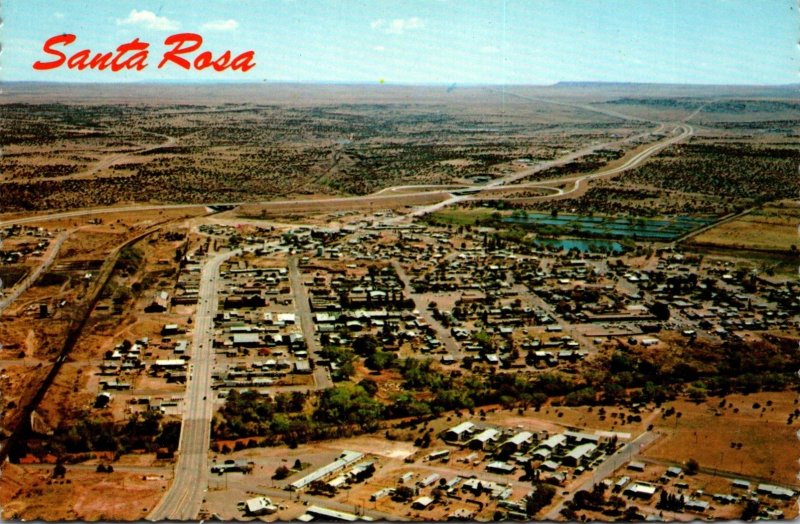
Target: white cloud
[[379, 48], [398, 26], [220, 25], [149, 20], [489, 49], [58, 14]]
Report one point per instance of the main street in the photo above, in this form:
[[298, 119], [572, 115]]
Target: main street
[[185, 496], [322, 377]]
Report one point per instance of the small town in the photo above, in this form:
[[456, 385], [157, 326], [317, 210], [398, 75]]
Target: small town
[[395, 261]]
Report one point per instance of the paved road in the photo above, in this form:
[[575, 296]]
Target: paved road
[[450, 343], [389, 193], [578, 182], [21, 287], [185, 496], [322, 377], [606, 469]]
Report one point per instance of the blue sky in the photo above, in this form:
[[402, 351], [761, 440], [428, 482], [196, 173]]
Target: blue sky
[[427, 41]]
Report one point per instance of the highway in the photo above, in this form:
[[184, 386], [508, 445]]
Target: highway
[[392, 193], [185, 496]]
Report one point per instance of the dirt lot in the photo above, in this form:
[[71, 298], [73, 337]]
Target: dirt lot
[[29, 492], [768, 449]]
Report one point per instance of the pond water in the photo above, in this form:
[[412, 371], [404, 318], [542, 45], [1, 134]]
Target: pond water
[[645, 228], [592, 245]]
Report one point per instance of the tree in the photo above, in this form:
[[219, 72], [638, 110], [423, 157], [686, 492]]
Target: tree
[[380, 360], [369, 385], [403, 493], [59, 471], [281, 472], [365, 345], [692, 467], [751, 509], [540, 497], [348, 403]]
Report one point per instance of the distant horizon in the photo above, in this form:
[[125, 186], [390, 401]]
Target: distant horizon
[[455, 85]]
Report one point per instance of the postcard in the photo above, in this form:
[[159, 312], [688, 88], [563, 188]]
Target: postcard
[[405, 260]]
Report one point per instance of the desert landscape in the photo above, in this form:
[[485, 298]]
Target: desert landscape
[[345, 302]]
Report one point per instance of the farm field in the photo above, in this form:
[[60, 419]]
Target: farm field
[[772, 228]]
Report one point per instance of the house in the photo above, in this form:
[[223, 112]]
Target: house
[[541, 454], [636, 466], [483, 438], [500, 467], [554, 442], [579, 454], [422, 503], [696, 506], [459, 432], [427, 481], [159, 304], [169, 329], [548, 465], [260, 506], [640, 490], [741, 484], [246, 339], [515, 443], [581, 438], [302, 367]]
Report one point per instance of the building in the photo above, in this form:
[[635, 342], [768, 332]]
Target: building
[[175, 363], [483, 438], [775, 491], [427, 481], [246, 339], [344, 460], [318, 513], [422, 503], [554, 442], [159, 304], [515, 443], [260, 506], [500, 467], [579, 454], [636, 466], [460, 432], [640, 490]]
